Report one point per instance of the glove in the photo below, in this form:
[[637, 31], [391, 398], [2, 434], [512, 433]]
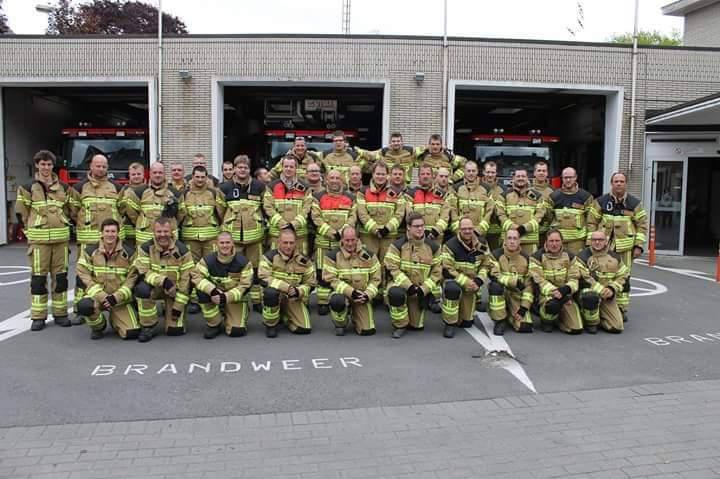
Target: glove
[[434, 233], [295, 293], [413, 290], [565, 290], [176, 314], [478, 281], [384, 231], [521, 230], [167, 284], [522, 311], [111, 299], [215, 292], [356, 294], [337, 236], [520, 284], [613, 293], [223, 299], [171, 208]]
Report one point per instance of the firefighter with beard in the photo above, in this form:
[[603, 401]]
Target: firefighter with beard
[[522, 209], [106, 270], [570, 206], [556, 274], [288, 277], [354, 274], [474, 201], [603, 276], [415, 266], [510, 291], [396, 153], [436, 155], [624, 220], [341, 157], [332, 210], [222, 278], [431, 204], [466, 263], [303, 156]]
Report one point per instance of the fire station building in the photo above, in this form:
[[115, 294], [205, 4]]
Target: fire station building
[[574, 104]]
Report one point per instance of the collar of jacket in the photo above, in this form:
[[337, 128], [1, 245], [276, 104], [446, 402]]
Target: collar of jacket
[[375, 189], [522, 192], [54, 181], [349, 254], [289, 183], [540, 184], [162, 186], [555, 255], [95, 181], [195, 189], [118, 247], [511, 254], [415, 242], [570, 191], [170, 248], [226, 259], [602, 252], [287, 258], [619, 201], [474, 242]]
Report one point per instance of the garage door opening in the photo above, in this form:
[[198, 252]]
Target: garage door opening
[[520, 123], [702, 213], [262, 121], [74, 122]]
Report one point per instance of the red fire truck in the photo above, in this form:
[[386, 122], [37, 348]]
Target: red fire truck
[[121, 146], [512, 152]]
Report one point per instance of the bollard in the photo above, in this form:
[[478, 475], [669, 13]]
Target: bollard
[[651, 247]]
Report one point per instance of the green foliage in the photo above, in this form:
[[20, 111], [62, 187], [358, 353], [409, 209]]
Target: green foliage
[[4, 27], [647, 37]]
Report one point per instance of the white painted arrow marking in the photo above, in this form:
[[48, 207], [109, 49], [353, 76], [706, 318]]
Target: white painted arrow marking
[[20, 322]]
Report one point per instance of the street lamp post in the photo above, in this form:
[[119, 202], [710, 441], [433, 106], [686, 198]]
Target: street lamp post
[[159, 89]]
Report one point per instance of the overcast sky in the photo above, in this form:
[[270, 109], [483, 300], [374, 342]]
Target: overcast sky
[[537, 19]]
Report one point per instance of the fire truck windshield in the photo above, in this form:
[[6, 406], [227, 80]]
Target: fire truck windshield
[[510, 158], [120, 152]]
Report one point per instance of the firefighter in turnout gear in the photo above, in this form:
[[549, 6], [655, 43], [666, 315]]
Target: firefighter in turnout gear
[[437, 156], [556, 274], [288, 277], [430, 203], [380, 211], [177, 176], [93, 200], [136, 177], [164, 266], [540, 183], [466, 263], [240, 204], [474, 201], [355, 184], [523, 209], [222, 278], [510, 291], [497, 194], [624, 221], [287, 202], [199, 215], [303, 156], [44, 209], [415, 266], [106, 270], [570, 206], [314, 180], [603, 276], [147, 203], [200, 160], [341, 157], [396, 154], [354, 275], [332, 210]]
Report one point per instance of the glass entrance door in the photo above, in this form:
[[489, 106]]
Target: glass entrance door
[[668, 205]]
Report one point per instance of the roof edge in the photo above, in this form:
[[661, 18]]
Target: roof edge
[[680, 8]]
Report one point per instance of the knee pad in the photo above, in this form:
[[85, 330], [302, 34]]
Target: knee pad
[[452, 290], [203, 298], [590, 301], [626, 286], [38, 284], [397, 296], [496, 289], [142, 290], [337, 303], [79, 283], [61, 282], [553, 307], [86, 307], [271, 297]]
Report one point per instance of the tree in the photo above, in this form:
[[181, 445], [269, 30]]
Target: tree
[[4, 28], [110, 17], [647, 37]]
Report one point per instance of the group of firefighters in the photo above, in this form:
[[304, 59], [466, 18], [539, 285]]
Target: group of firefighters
[[200, 244]]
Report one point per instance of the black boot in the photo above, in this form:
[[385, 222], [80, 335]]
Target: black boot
[[37, 325], [481, 306], [175, 331], [546, 327], [398, 333], [96, 334], [449, 331], [257, 307], [591, 329], [525, 328], [434, 307], [77, 320], [193, 308], [237, 332], [63, 321], [146, 334], [339, 331], [323, 309], [625, 316], [271, 331], [211, 332], [499, 328]]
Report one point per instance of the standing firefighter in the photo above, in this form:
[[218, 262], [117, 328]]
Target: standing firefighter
[[93, 200], [523, 209], [353, 273], [44, 209], [570, 206], [415, 265], [398, 154], [105, 268], [466, 264], [341, 157], [540, 183], [200, 208], [624, 221], [287, 203], [288, 277], [241, 200], [437, 156], [603, 277], [136, 177], [556, 274], [303, 156], [496, 191], [431, 203], [222, 278], [164, 265], [332, 210], [510, 290], [474, 201]]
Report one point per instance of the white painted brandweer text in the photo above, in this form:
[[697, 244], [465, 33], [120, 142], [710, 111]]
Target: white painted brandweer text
[[687, 339], [224, 367]]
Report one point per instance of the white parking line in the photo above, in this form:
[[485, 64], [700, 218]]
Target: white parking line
[[691, 273], [24, 270]]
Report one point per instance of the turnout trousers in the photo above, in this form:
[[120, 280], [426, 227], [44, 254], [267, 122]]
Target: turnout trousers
[[293, 312], [123, 318], [361, 315], [52, 259]]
